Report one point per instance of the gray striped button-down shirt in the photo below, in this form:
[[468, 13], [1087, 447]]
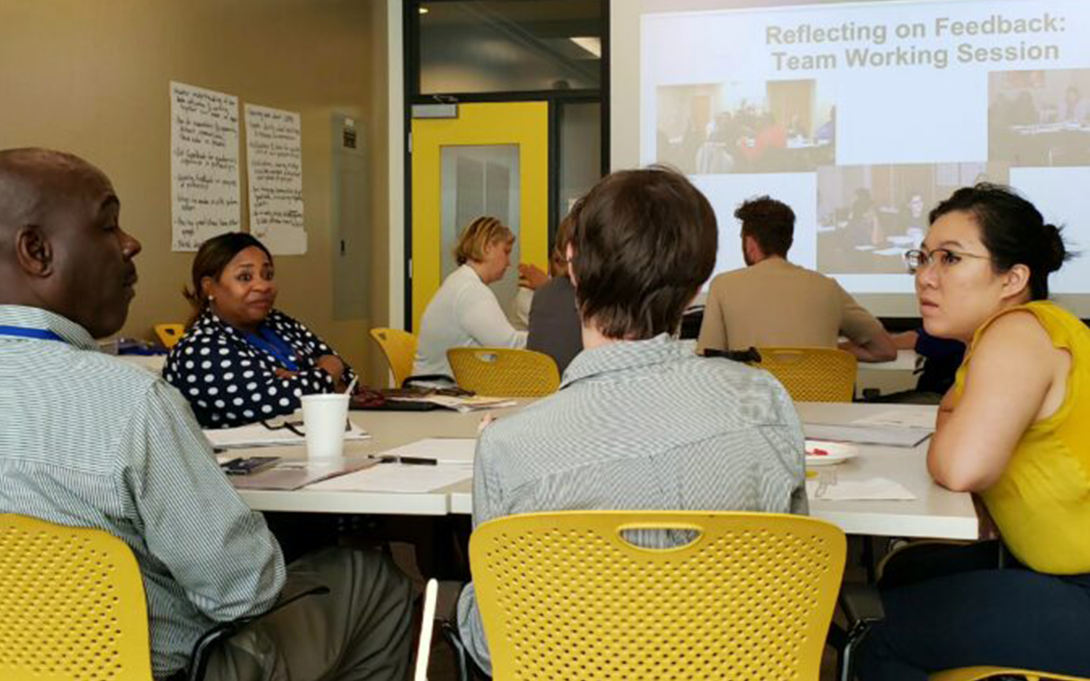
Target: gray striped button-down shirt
[[89, 440], [641, 425]]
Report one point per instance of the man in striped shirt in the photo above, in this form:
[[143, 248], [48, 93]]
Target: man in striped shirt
[[640, 422], [91, 441]]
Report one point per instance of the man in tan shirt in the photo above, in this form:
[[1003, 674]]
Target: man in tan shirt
[[772, 302]]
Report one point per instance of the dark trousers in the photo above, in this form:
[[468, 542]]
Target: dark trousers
[[359, 630], [953, 607]]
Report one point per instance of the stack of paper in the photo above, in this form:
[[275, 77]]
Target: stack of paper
[[867, 435], [463, 404], [900, 418], [900, 427], [396, 477], [289, 474], [871, 489], [259, 435]]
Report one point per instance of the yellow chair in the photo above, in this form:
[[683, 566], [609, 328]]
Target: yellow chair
[[399, 348], [504, 372], [169, 334], [812, 374], [974, 673], [71, 605], [563, 595]]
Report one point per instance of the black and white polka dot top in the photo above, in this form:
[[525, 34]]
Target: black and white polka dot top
[[230, 382]]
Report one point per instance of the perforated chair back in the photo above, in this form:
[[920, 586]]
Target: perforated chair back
[[399, 348], [503, 372], [564, 595], [71, 605], [169, 334], [812, 374], [976, 673]]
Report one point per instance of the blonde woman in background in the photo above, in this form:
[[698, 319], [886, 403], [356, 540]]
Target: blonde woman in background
[[464, 312]]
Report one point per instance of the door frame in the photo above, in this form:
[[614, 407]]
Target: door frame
[[521, 124], [410, 21]]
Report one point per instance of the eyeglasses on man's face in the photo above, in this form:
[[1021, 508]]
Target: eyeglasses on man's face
[[918, 259]]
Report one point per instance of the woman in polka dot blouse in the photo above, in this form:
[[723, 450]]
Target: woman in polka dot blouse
[[242, 361]]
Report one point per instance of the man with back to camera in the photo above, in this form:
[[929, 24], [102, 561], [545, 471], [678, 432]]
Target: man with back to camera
[[92, 441], [644, 422], [772, 302]]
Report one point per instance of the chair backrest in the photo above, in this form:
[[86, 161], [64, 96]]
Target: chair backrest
[[564, 595], [399, 348], [71, 605], [812, 374], [504, 372], [169, 334]]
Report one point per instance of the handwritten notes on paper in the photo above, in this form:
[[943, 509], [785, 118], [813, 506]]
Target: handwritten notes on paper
[[275, 166], [203, 165]]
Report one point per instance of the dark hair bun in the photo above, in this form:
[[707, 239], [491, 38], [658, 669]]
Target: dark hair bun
[[1057, 252]]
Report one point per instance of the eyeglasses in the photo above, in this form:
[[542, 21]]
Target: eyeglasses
[[296, 427], [918, 259]]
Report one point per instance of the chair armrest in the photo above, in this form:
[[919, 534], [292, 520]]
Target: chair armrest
[[861, 604]]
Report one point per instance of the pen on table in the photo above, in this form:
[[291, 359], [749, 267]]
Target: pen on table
[[408, 460]]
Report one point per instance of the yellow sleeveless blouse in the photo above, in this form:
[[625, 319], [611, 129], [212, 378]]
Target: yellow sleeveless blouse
[[1041, 503]]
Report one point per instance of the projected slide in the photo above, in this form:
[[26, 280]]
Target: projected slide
[[863, 116]]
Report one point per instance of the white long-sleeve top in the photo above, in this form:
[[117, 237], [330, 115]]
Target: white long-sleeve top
[[463, 313]]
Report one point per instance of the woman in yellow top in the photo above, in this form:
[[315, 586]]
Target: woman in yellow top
[[1015, 430]]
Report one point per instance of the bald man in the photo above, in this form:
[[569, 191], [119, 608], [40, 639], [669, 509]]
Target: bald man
[[88, 440]]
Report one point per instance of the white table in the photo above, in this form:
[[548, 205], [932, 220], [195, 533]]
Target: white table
[[388, 429], [935, 513]]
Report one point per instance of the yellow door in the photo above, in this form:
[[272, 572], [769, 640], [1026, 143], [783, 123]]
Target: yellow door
[[489, 159]]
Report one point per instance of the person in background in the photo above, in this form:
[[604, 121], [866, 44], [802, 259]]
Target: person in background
[[773, 302], [464, 312], [942, 357], [914, 218], [554, 320], [1015, 430], [640, 422], [1074, 108], [864, 228], [100, 443], [826, 132], [241, 360]]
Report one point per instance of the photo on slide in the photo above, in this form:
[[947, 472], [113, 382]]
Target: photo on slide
[[719, 128], [868, 216], [1039, 118]]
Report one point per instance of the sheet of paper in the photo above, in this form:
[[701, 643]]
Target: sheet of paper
[[394, 477], [450, 450], [900, 418], [467, 404], [867, 435], [871, 489], [204, 171], [257, 435], [274, 163]]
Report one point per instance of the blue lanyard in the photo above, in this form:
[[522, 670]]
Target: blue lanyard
[[267, 340], [23, 332]]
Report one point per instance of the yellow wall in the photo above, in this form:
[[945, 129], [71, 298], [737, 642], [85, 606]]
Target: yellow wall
[[92, 77]]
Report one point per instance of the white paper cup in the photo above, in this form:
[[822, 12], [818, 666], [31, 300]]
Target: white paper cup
[[324, 418]]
